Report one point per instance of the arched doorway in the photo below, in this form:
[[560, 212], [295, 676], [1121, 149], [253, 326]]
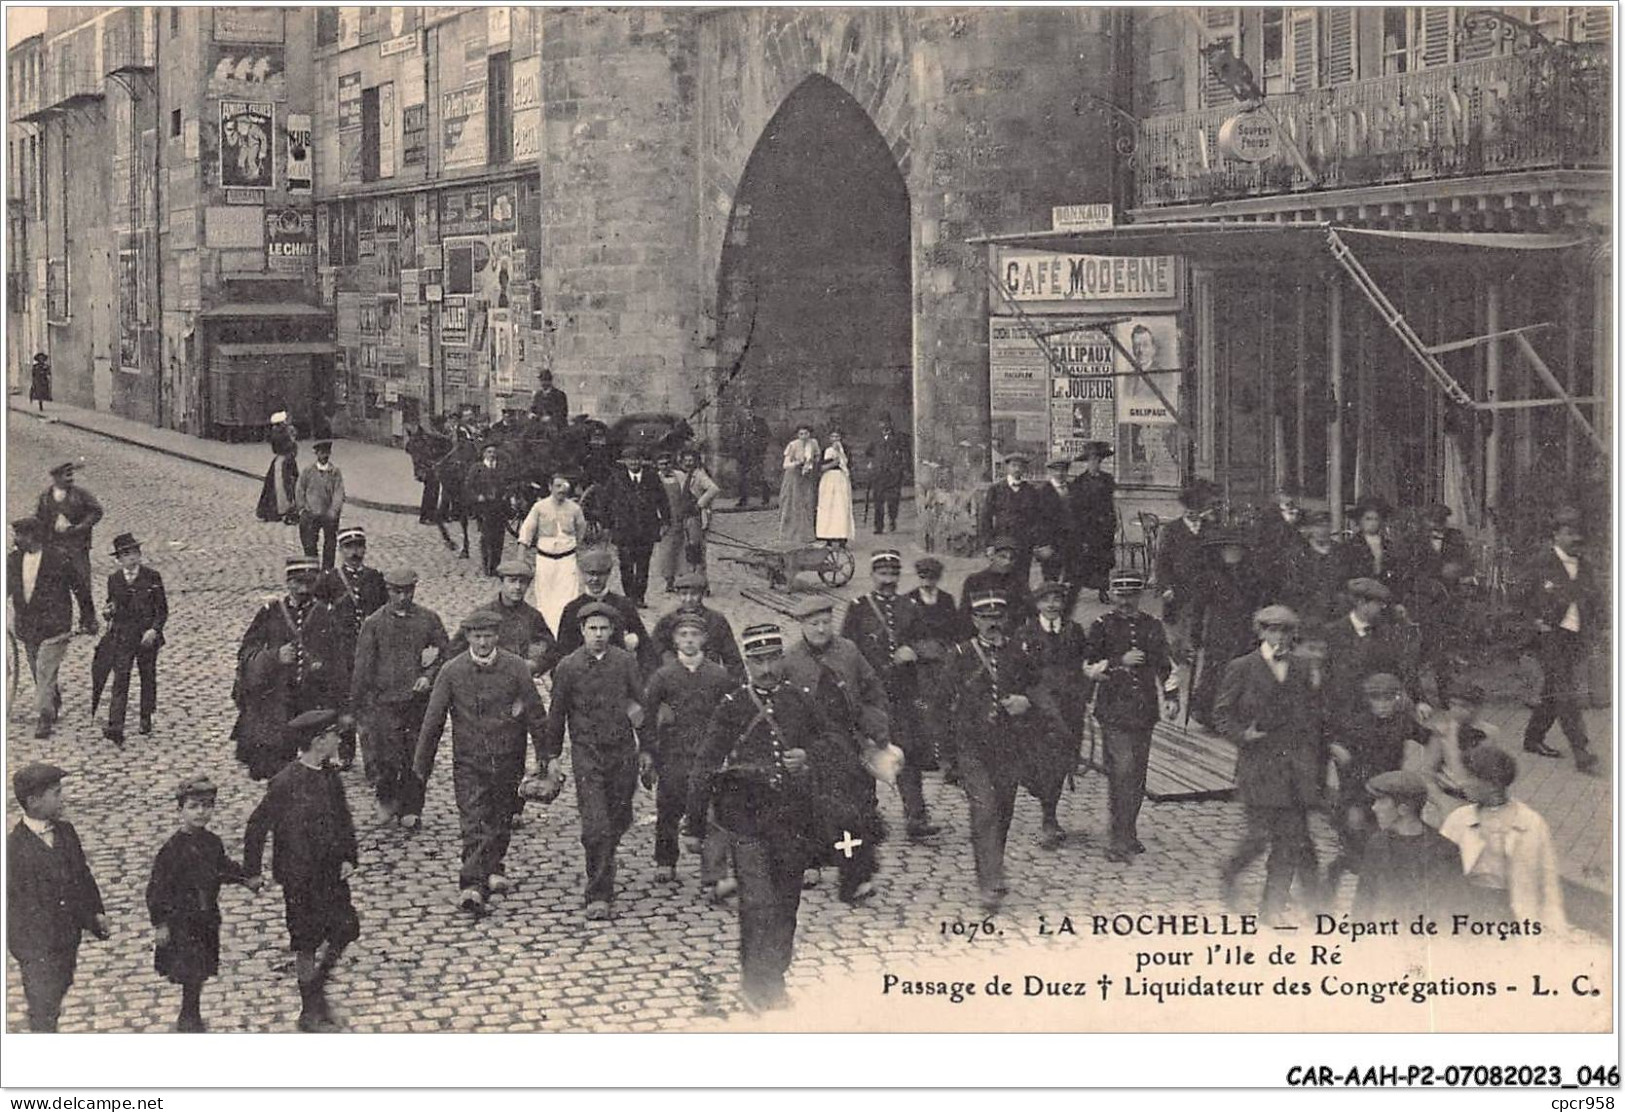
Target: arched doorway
[[815, 288]]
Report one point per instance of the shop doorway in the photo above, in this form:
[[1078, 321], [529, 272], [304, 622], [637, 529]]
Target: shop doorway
[[815, 294]]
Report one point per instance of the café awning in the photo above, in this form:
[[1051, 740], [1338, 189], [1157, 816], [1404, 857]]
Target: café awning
[[277, 309]]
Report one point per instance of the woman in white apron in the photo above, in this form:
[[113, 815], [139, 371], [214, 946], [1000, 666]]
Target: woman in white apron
[[553, 528], [798, 495], [835, 493]]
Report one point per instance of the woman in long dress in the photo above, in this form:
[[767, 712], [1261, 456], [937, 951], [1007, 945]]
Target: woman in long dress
[[835, 522], [798, 493], [554, 527]]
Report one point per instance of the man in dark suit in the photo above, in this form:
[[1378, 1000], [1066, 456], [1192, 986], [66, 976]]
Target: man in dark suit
[[549, 403], [1181, 566], [137, 609], [1269, 706], [1365, 643], [69, 512], [1561, 596], [1011, 510], [485, 488], [638, 512], [1369, 553], [1277, 540], [39, 582], [893, 464], [1054, 542], [51, 898]]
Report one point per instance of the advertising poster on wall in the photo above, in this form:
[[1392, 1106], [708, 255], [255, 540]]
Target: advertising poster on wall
[[246, 132], [466, 211], [349, 28], [1018, 389], [349, 100], [462, 127], [250, 25], [501, 353], [454, 321], [252, 71], [388, 122], [414, 134], [290, 240], [504, 207], [1082, 397], [1149, 442], [300, 169]]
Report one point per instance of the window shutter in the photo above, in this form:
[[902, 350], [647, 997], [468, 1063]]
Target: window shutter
[[1222, 25], [1481, 42], [1438, 26], [1302, 43], [1338, 62], [1596, 24]]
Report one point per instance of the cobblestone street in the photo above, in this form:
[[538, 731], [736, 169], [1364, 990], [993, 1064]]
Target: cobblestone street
[[667, 961]]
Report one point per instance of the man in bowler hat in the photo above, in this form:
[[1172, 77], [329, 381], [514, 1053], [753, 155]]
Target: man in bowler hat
[[1560, 594], [137, 609]]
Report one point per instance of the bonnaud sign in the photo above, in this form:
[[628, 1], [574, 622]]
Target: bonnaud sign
[[1248, 137]]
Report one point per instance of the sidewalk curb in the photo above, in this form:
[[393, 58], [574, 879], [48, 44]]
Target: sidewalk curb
[[52, 419]]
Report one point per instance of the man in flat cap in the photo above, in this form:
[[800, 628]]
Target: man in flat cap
[[720, 645], [940, 628], [1360, 644], [1000, 577], [1055, 544], [398, 654], [491, 698], [1269, 707], [883, 625], [290, 661], [51, 898], [69, 513], [759, 771], [849, 694], [1010, 511], [314, 851], [1408, 868], [678, 703], [1126, 653], [596, 565], [39, 583], [639, 511], [597, 696], [1091, 509], [994, 704], [522, 630], [1561, 595], [137, 609], [1371, 743], [485, 489], [319, 496]]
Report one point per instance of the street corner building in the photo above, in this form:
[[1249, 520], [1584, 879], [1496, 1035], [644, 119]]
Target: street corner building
[[1334, 249]]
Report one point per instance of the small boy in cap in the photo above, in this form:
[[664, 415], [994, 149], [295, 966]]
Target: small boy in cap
[[398, 654], [51, 898], [1371, 743], [720, 645], [1126, 653], [183, 899], [597, 695], [491, 698], [307, 815], [1507, 852], [679, 700], [1406, 868], [137, 609], [39, 583], [319, 495], [630, 634]]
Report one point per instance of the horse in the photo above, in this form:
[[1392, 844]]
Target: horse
[[452, 471]]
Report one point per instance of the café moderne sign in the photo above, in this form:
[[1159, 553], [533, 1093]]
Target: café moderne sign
[[1045, 276]]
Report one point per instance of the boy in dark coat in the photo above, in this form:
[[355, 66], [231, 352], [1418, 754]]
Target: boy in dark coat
[[629, 634], [598, 695], [51, 898], [883, 625], [1182, 563], [1407, 868], [305, 812], [1126, 653], [1371, 743], [137, 609], [939, 628], [1055, 646], [39, 584], [1054, 541], [1269, 707], [720, 645], [183, 899], [679, 700], [1091, 507]]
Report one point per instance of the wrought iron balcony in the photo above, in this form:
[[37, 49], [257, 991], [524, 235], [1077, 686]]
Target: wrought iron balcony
[[1542, 109]]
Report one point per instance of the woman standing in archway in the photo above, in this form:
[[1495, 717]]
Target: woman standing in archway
[[834, 522], [798, 493]]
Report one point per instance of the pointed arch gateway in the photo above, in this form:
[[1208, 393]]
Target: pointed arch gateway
[[815, 290]]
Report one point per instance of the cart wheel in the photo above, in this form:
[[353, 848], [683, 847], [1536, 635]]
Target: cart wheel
[[837, 568]]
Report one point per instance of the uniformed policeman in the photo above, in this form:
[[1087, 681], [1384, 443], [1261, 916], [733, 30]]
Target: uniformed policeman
[[1126, 653], [355, 592], [994, 701]]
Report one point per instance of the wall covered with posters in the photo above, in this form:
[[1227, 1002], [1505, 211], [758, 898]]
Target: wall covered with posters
[[1091, 314], [427, 233]]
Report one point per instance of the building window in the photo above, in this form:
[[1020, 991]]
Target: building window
[[1396, 40], [1272, 27], [369, 134], [498, 110], [175, 124], [327, 26], [1221, 26]]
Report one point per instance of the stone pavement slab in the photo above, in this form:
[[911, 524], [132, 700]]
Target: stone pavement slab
[[375, 476]]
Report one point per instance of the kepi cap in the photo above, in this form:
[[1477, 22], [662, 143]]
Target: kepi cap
[[988, 604], [886, 558], [762, 640], [350, 534], [1126, 583], [34, 778], [301, 565]]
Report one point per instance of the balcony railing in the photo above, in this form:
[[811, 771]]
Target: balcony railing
[[1539, 110]]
